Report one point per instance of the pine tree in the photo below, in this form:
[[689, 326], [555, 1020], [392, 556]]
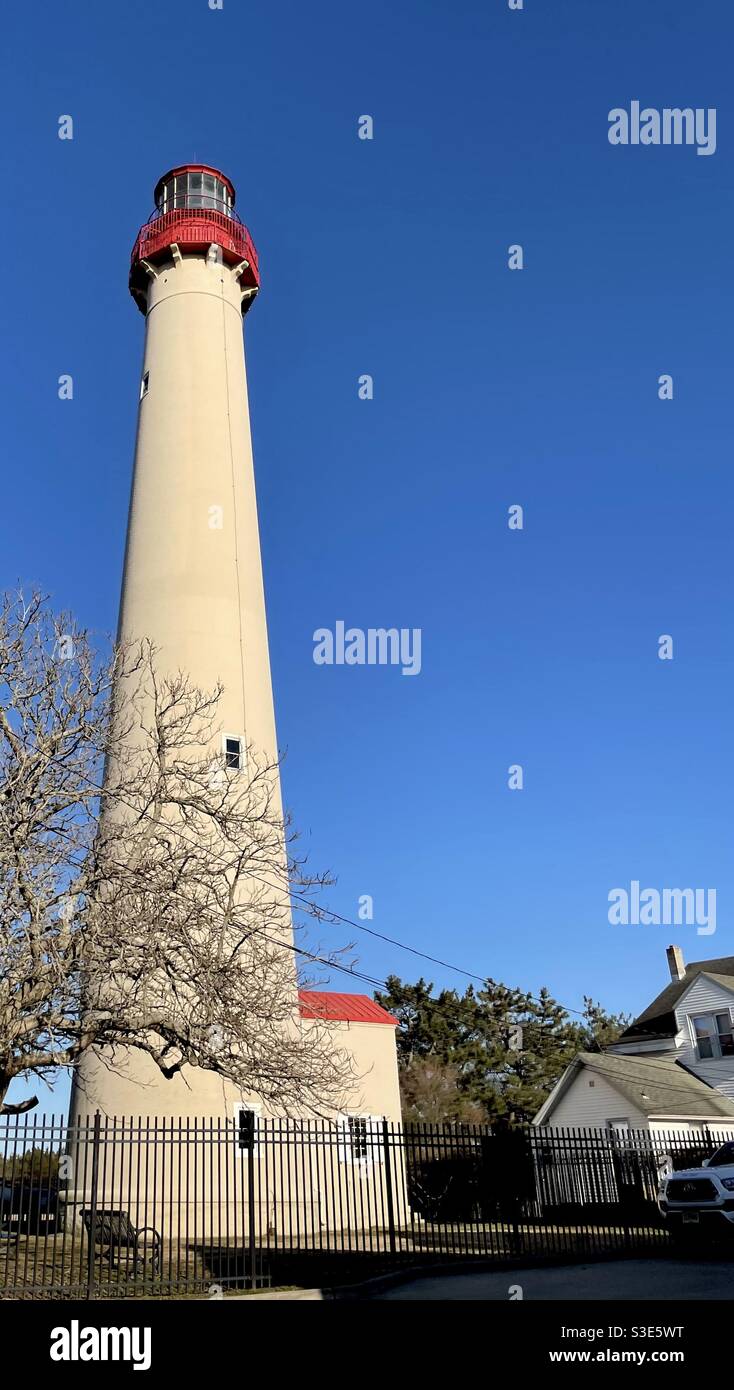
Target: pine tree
[[494, 1053]]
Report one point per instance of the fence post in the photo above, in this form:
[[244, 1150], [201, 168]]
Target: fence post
[[93, 1205], [251, 1213], [388, 1187]]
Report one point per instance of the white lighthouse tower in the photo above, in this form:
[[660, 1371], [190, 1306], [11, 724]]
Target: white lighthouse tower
[[192, 580]]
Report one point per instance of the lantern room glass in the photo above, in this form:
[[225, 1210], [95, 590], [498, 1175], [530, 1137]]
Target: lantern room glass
[[195, 189]]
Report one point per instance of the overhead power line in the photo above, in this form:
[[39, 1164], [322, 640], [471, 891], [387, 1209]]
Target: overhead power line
[[322, 914]]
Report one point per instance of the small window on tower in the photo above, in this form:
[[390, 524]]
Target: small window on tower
[[233, 758], [144, 385]]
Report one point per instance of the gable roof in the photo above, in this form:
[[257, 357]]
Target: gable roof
[[654, 1085], [343, 1008], [658, 1019]]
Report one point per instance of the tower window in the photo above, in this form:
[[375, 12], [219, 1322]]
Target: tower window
[[233, 753], [144, 385]]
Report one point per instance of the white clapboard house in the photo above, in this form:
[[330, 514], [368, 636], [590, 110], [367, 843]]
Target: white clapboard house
[[672, 1069]]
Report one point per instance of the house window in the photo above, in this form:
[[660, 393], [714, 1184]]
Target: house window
[[233, 754], [713, 1035], [362, 1141], [618, 1126], [144, 385], [359, 1136], [247, 1127]]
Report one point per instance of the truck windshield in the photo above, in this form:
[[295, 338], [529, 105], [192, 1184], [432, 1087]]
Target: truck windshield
[[723, 1156]]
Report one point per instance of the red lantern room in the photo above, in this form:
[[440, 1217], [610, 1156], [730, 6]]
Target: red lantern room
[[194, 209]]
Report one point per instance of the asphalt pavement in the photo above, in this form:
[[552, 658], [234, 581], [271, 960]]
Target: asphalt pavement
[[617, 1279]]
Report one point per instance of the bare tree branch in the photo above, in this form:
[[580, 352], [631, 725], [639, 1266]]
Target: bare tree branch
[[154, 915]]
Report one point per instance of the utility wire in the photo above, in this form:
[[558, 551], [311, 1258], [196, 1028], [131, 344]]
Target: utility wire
[[495, 1031], [322, 914]]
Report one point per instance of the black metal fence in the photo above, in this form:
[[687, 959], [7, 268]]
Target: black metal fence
[[124, 1207]]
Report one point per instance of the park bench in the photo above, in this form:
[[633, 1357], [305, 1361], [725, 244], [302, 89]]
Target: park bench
[[6, 1195], [114, 1231]]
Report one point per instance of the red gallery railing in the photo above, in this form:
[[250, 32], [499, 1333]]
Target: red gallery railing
[[194, 229]]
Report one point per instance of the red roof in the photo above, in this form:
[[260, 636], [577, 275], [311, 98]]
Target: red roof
[[346, 1008]]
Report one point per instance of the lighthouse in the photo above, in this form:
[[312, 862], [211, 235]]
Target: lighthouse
[[192, 580], [192, 584]]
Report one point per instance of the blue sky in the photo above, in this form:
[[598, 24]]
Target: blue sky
[[491, 388]]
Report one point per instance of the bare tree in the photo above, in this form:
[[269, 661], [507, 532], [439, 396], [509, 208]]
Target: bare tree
[[155, 916]]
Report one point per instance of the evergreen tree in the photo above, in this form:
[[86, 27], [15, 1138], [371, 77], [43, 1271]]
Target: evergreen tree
[[494, 1053]]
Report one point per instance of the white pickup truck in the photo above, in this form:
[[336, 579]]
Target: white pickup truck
[[700, 1200]]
